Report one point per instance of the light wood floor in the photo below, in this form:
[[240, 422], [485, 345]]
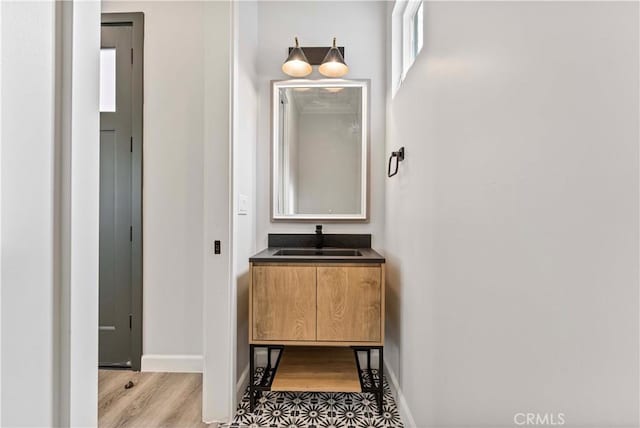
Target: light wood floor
[[171, 400]]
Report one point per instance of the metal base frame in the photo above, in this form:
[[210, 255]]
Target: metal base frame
[[376, 389], [264, 383]]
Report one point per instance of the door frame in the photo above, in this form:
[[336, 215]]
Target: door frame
[[136, 21]]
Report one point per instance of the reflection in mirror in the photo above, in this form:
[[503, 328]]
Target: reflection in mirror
[[320, 152]]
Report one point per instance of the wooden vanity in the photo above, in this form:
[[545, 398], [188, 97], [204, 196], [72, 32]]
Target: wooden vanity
[[317, 313], [328, 304]]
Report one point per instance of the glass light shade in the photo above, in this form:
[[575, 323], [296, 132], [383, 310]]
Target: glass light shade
[[333, 69], [333, 64], [297, 64], [297, 68]]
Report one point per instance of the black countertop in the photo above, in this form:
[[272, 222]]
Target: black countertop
[[308, 241], [267, 256]]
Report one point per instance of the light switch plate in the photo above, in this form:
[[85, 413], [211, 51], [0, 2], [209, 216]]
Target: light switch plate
[[243, 204]]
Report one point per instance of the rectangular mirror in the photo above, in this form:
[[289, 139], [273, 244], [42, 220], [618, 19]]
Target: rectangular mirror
[[319, 153]]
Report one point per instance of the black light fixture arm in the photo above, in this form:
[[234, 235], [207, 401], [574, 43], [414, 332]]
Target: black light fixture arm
[[315, 54], [399, 155]]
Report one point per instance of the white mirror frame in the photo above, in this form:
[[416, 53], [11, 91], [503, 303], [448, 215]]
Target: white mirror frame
[[276, 85]]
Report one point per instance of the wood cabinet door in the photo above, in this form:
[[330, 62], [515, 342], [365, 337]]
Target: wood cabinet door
[[284, 303], [349, 303]]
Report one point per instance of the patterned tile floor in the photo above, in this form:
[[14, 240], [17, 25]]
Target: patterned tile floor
[[317, 410]]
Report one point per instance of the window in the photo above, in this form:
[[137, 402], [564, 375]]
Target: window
[[407, 38], [107, 80], [416, 32]]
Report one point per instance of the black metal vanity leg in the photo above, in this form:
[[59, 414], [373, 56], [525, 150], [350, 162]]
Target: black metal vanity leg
[[252, 399], [381, 378], [370, 371]]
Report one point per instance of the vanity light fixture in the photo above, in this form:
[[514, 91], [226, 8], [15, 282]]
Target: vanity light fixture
[[297, 64], [333, 64]]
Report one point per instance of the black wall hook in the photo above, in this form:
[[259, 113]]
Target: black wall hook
[[399, 155]]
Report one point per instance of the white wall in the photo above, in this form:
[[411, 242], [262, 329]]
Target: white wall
[[361, 28], [219, 313], [245, 121], [1, 116], [173, 224], [28, 90], [50, 158], [512, 227], [84, 217]]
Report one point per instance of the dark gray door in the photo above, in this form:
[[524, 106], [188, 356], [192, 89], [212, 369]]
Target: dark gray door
[[116, 201]]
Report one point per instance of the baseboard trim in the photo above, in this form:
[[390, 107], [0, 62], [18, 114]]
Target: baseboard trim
[[403, 407], [172, 363], [242, 383]]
